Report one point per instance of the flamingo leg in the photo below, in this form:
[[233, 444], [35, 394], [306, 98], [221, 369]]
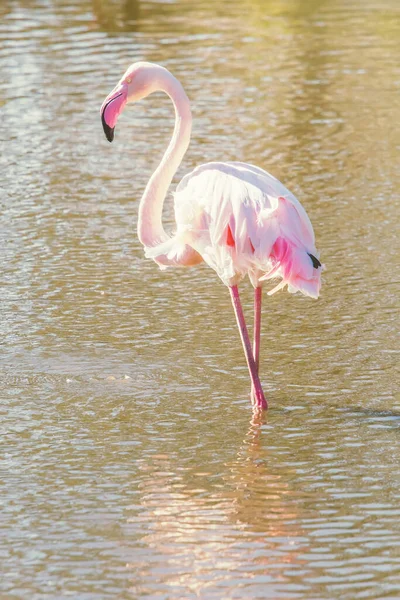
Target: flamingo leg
[[257, 331], [255, 380]]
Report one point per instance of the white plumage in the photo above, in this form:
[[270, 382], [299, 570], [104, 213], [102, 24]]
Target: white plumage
[[232, 214]]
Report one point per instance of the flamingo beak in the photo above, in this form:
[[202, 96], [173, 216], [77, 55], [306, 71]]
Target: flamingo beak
[[112, 108]]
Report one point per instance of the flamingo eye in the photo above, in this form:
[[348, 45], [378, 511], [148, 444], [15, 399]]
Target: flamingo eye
[[128, 79]]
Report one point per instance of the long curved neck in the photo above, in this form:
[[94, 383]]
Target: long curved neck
[[150, 229]]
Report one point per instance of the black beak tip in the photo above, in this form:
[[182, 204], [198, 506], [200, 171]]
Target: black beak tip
[[109, 131]]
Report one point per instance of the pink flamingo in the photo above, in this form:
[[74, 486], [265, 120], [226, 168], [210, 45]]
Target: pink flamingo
[[234, 216]]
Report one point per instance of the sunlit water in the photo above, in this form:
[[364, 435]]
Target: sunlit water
[[131, 464]]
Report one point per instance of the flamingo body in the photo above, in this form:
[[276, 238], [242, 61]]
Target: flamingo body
[[236, 217], [242, 220]]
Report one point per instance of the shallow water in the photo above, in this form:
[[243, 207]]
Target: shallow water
[[132, 466]]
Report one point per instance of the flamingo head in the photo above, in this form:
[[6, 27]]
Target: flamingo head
[[139, 80]]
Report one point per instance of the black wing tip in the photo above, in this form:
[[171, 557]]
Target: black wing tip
[[315, 261], [109, 131]]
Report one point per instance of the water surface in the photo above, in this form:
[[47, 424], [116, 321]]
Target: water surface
[[132, 466]]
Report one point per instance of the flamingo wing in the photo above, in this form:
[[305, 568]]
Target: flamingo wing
[[242, 220]]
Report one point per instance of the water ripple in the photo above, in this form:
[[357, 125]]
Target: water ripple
[[129, 465]]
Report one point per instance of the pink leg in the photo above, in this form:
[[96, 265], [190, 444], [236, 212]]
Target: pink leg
[[256, 385], [257, 325], [257, 330]]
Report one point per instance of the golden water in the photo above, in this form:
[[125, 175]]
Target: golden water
[[131, 466]]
